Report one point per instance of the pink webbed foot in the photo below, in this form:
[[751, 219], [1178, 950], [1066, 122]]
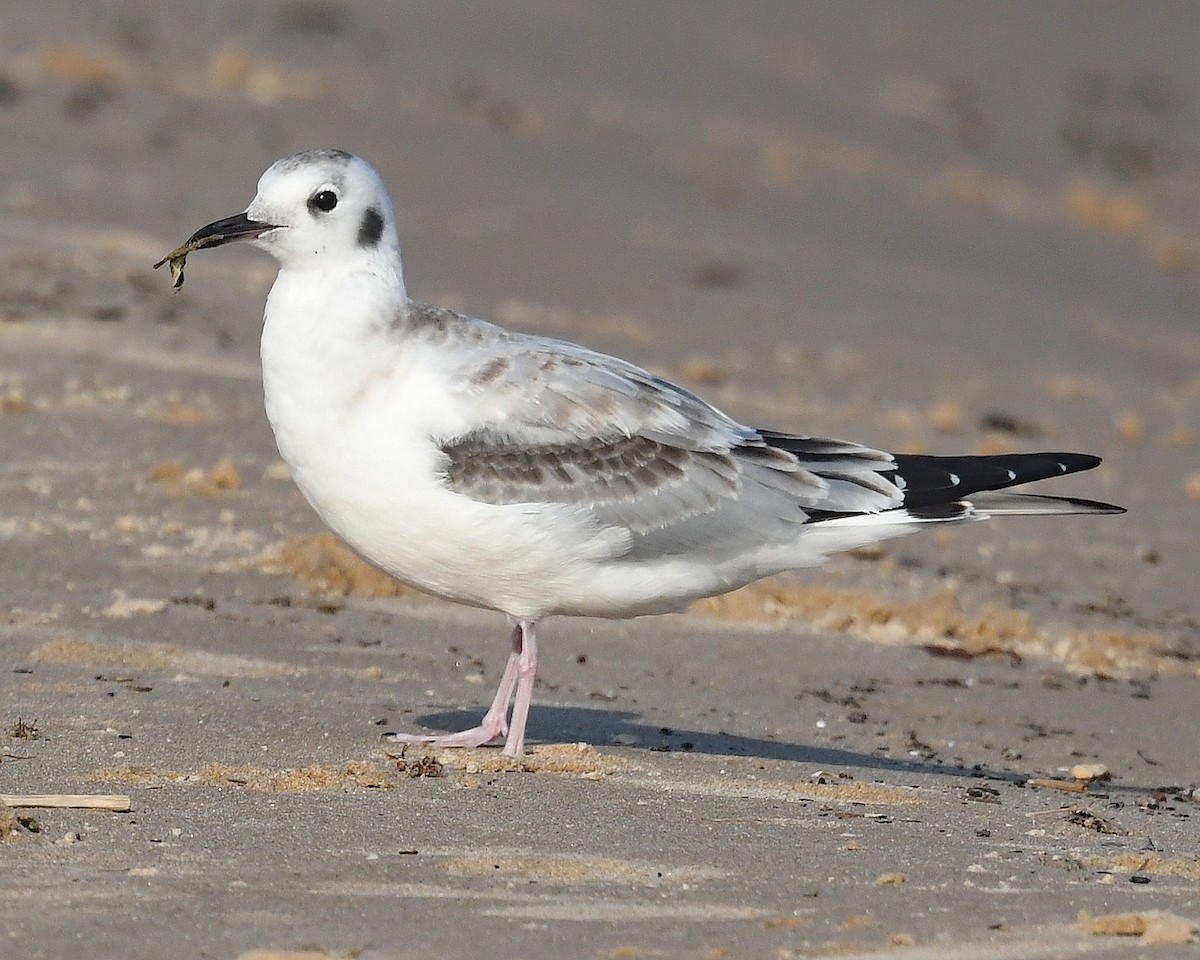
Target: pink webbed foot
[[474, 737], [519, 675]]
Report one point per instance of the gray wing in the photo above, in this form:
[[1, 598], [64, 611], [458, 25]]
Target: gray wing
[[569, 426]]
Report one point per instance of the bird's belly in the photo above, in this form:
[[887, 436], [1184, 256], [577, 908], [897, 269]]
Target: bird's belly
[[528, 561], [383, 495], [362, 454]]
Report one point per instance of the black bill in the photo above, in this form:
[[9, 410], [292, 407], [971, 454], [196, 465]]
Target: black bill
[[239, 227]]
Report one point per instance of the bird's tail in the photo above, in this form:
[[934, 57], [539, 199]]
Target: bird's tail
[[996, 503]]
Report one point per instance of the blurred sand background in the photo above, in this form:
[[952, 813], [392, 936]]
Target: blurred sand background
[[925, 226]]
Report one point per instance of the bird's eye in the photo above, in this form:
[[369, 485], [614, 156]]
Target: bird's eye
[[322, 202]]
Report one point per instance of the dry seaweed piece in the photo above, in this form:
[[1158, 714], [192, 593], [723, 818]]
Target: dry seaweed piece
[[1090, 820], [178, 257], [423, 766], [24, 730]]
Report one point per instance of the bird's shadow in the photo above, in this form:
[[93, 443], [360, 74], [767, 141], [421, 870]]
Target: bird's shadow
[[567, 724], [622, 727]]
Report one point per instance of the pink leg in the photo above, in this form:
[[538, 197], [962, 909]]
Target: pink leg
[[514, 746], [495, 721]]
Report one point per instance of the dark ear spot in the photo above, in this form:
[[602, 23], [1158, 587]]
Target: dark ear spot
[[371, 228]]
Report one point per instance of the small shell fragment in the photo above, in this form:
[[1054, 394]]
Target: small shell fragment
[[1089, 771]]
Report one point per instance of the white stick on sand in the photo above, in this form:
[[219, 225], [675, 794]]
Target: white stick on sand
[[80, 801]]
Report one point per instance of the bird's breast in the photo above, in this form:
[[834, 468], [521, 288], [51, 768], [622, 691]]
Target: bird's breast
[[357, 424]]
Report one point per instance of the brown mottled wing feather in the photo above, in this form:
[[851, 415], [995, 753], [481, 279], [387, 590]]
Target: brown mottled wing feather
[[565, 473], [572, 427], [639, 483]]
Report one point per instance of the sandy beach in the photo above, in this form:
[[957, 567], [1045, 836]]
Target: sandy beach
[[926, 227]]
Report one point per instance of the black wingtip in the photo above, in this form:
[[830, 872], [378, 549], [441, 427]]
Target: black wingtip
[[1099, 506], [1076, 462], [928, 480]]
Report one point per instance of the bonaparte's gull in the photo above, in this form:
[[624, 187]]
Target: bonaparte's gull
[[533, 476]]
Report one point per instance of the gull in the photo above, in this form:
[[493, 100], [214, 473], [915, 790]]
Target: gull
[[532, 476]]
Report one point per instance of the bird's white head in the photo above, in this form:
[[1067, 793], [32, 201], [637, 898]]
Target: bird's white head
[[320, 210]]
